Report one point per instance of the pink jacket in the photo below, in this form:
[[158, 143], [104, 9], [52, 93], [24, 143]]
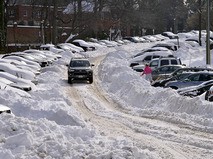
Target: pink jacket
[[147, 70]]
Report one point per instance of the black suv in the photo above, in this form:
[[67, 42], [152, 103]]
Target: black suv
[[80, 69]]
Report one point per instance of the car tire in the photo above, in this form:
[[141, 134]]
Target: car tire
[[91, 80], [173, 87], [69, 80]]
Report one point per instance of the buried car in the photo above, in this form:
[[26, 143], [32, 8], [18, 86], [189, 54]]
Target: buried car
[[191, 80], [194, 91], [209, 94], [5, 109]]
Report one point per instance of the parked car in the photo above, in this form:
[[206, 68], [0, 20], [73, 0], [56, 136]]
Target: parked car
[[164, 71], [191, 69], [30, 57], [148, 57], [162, 82], [5, 109], [22, 86], [170, 35], [83, 44], [80, 69], [209, 94], [170, 46], [66, 47], [197, 90], [191, 80], [22, 93], [108, 43], [178, 75], [154, 49], [132, 39], [51, 47], [21, 65], [14, 79], [40, 54], [12, 69], [22, 59], [77, 48]]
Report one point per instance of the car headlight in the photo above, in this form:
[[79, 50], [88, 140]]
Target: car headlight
[[70, 70]]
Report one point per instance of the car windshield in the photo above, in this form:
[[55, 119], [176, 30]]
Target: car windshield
[[79, 63]]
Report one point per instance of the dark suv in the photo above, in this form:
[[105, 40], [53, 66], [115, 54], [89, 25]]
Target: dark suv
[[80, 69]]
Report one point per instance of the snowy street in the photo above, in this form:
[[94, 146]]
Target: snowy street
[[167, 140], [118, 116]]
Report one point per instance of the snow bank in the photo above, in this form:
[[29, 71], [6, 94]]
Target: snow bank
[[132, 90]]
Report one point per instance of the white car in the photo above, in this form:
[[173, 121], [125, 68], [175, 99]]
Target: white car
[[5, 109], [78, 49], [27, 61], [16, 79], [21, 65], [12, 69], [40, 54], [21, 86], [51, 47], [20, 92], [83, 44], [148, 56]]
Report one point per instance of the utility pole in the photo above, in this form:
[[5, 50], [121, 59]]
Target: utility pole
[[208, 58], [2, 27], [200, 21], [55, 28]]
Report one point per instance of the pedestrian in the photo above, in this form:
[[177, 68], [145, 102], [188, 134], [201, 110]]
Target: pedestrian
[[148, 72]]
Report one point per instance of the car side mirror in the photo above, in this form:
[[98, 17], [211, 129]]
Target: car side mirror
[[92, 65], [186, 80]]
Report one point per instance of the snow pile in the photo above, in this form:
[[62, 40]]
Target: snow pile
[[128, 88]]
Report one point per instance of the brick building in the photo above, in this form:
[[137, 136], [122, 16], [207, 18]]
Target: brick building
[[33, 25]]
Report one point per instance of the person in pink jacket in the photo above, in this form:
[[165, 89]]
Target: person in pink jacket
[[148, 72]]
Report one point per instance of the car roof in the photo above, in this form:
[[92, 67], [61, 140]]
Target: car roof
[[79, 58], [195, 69]]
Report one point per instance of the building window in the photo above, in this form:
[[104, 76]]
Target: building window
[[25, 13], [38, 14], [11, 13]]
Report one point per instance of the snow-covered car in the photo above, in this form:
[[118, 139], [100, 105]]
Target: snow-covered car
[[108, 43], [146, 57], [68, 48], [83, 44], [197, 90], [22, 86], [40, 54], [170, 35], [192, 80], [77, 48], [21, 65], [4, 109], [52, 54], [151, 50], [51, 47], [16, 79], [31, 57], [22, 59], [209, 94], [22, 93], [164, 71], [21, 73], [158, 62], [168, 45]]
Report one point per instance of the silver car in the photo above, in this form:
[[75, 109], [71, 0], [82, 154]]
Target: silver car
[[191, 80]]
